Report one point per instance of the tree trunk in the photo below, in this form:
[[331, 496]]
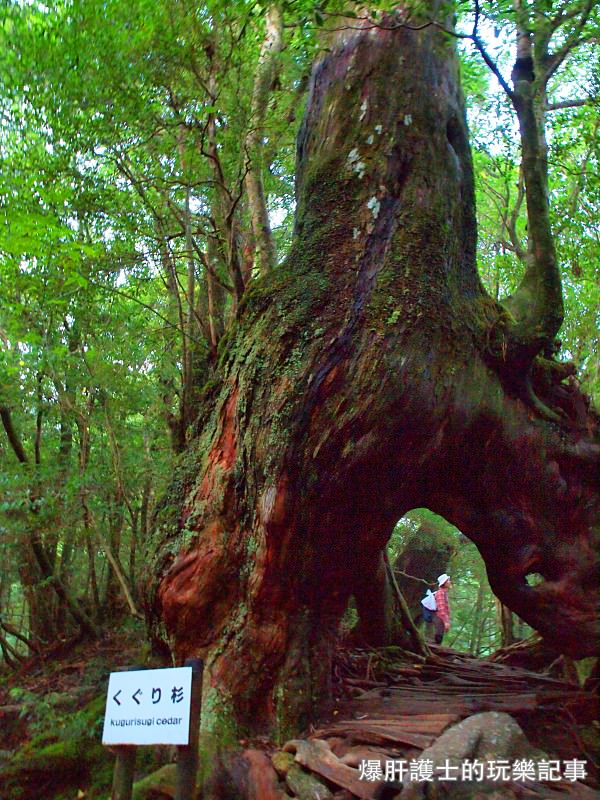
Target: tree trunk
[[356, 386], [424, 556], [265, 74], [504, 618], [111, 604], [40, 596], [477, 623]]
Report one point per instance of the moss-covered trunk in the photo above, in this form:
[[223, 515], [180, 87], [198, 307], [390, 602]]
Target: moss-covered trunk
[[356, 387]]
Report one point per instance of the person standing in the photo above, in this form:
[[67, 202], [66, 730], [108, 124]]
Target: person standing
[[441, 615]]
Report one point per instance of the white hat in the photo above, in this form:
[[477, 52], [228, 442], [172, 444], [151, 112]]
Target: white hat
[[442, 579]]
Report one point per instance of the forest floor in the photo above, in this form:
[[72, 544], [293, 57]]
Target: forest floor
[[391, 709], [387, 708]]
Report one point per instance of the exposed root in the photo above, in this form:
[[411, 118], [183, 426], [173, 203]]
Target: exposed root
[[541, 408]]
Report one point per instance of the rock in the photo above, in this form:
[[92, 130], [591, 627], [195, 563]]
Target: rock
[[305, 786], [159, 785], [487, 737]]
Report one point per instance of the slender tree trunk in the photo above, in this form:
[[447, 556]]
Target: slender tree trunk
[[225, 203], [36, 568], [116, 569], [505, 624], [40, 602], [265, 75], [114, 575], [216, 294], [176, 316], [215, 310], [189, 321], [88, 528], [40, 599], [476, 622], [133, 547], [11, 655], [139, 531], [90, 550], [424, 556], [406, 631]]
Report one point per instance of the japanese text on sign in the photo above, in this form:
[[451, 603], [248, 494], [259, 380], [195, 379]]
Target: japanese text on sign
[[150, 706]]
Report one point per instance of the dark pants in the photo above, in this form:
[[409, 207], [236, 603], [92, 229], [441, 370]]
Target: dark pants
[[438, 627]]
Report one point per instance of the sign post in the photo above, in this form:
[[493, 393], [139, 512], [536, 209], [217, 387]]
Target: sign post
[[123, 773], [187, 756], [154, 706], [124, 770]]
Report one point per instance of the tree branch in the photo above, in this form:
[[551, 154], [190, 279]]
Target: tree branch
[[13, 436], [588, 101], [536, 309], [573, 41], [420, 645], [491, 64]]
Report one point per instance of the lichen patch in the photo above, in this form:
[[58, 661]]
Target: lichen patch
[[374, 206], [356, 165]]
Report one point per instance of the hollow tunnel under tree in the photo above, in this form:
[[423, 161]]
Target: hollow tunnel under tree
[[368, 375]]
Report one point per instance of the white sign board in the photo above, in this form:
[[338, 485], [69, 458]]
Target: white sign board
[[150, 706]]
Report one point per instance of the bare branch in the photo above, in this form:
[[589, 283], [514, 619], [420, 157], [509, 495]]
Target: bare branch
[[588, 101]]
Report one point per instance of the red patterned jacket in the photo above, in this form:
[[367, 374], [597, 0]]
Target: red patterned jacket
[[443, 609]]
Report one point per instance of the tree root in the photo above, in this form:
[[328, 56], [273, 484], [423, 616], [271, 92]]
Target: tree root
[[541, 408]]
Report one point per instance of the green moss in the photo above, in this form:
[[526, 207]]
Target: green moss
[[218, 717], [167, 534], [394, 316], [219, 731], [48, 765]]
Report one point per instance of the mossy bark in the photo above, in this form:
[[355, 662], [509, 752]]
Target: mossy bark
[[356, 386]]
